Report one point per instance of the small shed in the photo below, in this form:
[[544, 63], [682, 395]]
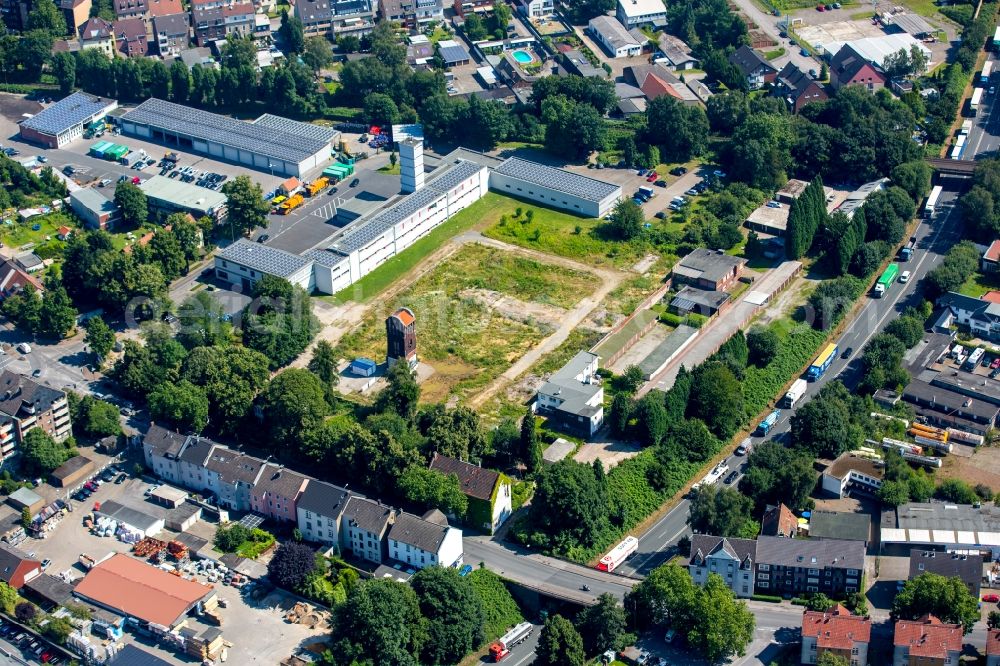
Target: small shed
[[363, 367], [72, 472], [26, 498], [290, 186], [168, 496], [183, 517], [49, 591], [557, 450]]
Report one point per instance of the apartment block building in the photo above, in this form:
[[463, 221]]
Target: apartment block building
[[801, 566], [420, 542], [364, 525], [25, 405], [277, 492], [320, 510], [731, 559]]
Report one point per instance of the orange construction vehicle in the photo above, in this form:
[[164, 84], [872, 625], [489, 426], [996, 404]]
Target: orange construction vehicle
[[290, 204], [317, 186]]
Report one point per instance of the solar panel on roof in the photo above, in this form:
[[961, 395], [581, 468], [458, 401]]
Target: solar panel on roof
[[266, 141], [309, 130], [66, 113], [453, 52], [269, 260], [561, 180]]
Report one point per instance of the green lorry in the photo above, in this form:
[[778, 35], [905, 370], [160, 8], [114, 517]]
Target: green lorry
[[885, 281]]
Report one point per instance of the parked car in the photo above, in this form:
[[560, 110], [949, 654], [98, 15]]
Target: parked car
[[45, 563], [262, 238], [641, 172], [331, 191], [774, 204], [995, 364], [37, 372], [354, 183], [678, 171], [661, 215], [660, 183], [24, 348], [42, 159], [991, 598], [820, 8]]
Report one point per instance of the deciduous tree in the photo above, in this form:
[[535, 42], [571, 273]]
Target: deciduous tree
[[295, 401], [560, 644], [245, 205], [291, 563], [380, 623], [100, 338], [948, 599], [182, 404], [433, 490], [453, 612], [604, 625], [132, 202]]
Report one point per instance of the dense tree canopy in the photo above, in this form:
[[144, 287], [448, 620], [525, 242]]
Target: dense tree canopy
[[453, 613], [948, 599]]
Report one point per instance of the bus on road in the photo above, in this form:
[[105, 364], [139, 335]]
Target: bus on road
[[619, 554], [932, 201], [822, 362]]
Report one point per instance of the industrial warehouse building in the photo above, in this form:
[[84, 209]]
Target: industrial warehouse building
[[380, 234], [166, 196], [66, 120], [554, 187], [132, 588], [271, 143]]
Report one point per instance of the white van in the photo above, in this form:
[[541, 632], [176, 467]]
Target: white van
[[24, 348], [905, 277]]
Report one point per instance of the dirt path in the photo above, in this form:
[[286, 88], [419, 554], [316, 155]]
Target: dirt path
[[609, 281], [338, 320]]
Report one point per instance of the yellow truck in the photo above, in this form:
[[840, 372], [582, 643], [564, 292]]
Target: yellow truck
[[290, 204], [317, 186]]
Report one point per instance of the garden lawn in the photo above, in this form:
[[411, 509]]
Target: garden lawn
[[466, 342], [561, 234], [978, 284]]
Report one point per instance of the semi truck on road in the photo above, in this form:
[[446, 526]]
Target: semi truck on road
[[795, 393], [500, 648], [885, 281], [765, 426]]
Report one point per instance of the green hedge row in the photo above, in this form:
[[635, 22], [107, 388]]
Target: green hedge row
[[766, 597], [500, 609], [761, 386]]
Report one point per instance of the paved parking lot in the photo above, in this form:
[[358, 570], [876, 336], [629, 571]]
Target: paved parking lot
[[312, 223], [256, 628]]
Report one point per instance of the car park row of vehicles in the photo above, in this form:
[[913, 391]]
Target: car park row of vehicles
[[29, 644]]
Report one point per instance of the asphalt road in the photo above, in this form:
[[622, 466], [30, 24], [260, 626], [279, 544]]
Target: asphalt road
[[547, 574], [984, 138]]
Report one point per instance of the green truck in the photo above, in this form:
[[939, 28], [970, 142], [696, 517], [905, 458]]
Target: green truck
[[885, 281]]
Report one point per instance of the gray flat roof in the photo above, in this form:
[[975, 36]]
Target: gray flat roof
[[66, 113], [182, 194], [260, 139], [308, 130], [129, 516], [588, 189], [260, 257], [380, 222], [93, 200]]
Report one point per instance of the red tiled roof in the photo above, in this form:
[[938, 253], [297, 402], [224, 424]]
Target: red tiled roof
[[929, 637], [779, 521], [654, 87], [993, 253], [992, 296], [403, 315], [836, 628], [165, 7], [140, 590], [993, 642]]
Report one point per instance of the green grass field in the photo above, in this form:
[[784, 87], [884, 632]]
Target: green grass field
[[464, 340], [379, 279], [561, 234]]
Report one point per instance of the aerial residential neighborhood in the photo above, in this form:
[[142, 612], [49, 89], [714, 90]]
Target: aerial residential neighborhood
[[654, 332]]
